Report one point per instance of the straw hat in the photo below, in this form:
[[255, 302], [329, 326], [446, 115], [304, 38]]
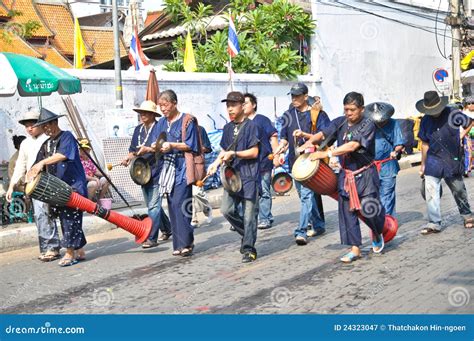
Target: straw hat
[[148, 107], [29, 116]]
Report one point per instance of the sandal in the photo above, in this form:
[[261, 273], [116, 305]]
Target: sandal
[[429, 230], [66, 261], [350, 257], [469, 223], [164, 236], [49, 256], [378, 245], [187, 251], [176, 253]]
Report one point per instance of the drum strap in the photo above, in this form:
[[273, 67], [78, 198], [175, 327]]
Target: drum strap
[[351, 188], [233, 146]]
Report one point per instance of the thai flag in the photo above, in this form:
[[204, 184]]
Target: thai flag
[[135, 54], [233, 42]]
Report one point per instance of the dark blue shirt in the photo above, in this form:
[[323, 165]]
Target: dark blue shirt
[[386, 139], [265, 131], [70, 170], [292, 120], [442, 134], [248, 168], [363, 132], [174, 134], [140, 137]]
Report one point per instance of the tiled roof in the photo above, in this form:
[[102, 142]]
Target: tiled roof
[[151, 17], [101, 39], [51, 55], [60, 20], [3, 11], [17, 45], [28, 12]]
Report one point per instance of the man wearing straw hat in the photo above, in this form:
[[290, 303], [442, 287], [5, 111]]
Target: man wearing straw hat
[[442, 157], [47, 230], [143, 137], [59, 156]]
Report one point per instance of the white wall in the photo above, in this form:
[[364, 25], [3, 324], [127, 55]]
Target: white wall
[[384, 60], [198, 93]]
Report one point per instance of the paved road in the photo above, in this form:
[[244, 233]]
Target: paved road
[[415, 274]]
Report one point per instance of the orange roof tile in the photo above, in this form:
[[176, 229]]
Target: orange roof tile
[[17, 45], [60, 20], [28, 12], [101, 39], [151, 16], [3, 11], [51, 55]]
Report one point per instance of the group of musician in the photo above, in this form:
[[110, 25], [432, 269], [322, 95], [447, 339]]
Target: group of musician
[[365, 144]]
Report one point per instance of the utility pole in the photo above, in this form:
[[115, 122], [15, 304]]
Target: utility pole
[[454, 20], [117, 65]]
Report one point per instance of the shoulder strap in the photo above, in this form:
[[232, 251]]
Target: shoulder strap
[[187, 120], [233, 146], [314, 118]]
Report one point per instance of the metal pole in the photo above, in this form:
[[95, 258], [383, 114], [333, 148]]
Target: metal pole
[[455, 22], [117, 66]]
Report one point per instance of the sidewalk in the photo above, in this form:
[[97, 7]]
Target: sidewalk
[[20, 235]]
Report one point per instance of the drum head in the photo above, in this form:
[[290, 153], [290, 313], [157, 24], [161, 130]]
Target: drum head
[[230, 179], [304, 168], [158, 144], [140, 171], [30, 186], [282, 183]]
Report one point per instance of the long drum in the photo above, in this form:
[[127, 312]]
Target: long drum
[[316, 175], [52, 190]]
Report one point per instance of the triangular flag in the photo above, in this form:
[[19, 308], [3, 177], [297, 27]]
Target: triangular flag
[[189, 61], [79, 47]]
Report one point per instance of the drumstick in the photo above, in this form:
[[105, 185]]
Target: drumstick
[[200, 183], [110, 166]]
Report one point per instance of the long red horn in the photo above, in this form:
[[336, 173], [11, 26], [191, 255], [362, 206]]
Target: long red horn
[[140, 229]]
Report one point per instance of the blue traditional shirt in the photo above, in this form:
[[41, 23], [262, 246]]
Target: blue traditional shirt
[[174, 134], [69, 170], [292, 120], [444, 157], [143, 136], [363, 132], [248, 168], [265, 131], [386, 139]]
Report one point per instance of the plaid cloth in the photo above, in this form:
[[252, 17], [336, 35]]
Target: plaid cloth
[[168, 174]]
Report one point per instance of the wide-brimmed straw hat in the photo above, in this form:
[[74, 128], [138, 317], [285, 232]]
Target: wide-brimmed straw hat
[[432, 104], [148, 107]]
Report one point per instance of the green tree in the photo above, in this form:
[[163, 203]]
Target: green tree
[[269, 36], [23, 30]]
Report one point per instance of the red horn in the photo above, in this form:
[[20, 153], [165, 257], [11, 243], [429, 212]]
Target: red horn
[[140, 229]]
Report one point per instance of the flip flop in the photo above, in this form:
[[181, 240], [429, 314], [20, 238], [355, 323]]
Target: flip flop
[[350, 257], [67, 262], [470, 222], [380, 245], [49, 257], [429, 230]]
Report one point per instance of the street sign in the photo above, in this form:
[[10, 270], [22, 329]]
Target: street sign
[[442, 81]]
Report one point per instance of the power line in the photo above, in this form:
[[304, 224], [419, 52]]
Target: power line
[[436, 33]]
